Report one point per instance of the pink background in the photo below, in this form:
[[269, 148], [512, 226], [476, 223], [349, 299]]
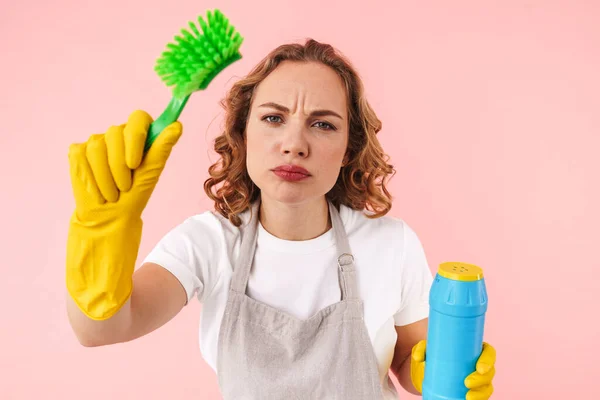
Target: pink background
[[491, 117]]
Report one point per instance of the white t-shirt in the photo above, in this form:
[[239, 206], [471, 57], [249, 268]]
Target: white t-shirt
[[300, 277]]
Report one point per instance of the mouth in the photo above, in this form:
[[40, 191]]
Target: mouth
[[292, 169], [291, 172]]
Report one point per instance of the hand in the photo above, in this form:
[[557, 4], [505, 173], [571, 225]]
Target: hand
[[112, 182], [479, 382], [111, 176], [417, 365]]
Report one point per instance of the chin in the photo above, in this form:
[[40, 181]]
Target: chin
[[287, 197], [286, 193], [294, 197]]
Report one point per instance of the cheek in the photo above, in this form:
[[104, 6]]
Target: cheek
[[251, 151], [257, 147], [330, 161], [260, 140], [336, 153]]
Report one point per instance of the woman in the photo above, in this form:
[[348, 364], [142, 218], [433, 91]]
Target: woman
[[308, 289]]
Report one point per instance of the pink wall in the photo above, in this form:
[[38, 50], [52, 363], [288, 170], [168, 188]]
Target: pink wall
[[491, 117]]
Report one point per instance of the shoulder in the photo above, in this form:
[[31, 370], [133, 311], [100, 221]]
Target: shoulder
[[205, 224], [386, 228], [205, 228], [389, 239]]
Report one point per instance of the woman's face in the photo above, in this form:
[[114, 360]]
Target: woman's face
[[298, 117]]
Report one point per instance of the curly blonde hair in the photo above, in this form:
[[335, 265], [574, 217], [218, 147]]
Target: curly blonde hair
[[361, 183]]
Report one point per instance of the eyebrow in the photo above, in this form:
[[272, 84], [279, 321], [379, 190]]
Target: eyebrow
[[315, 113]]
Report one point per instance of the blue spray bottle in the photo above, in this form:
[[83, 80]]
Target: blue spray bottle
[[458, 303]]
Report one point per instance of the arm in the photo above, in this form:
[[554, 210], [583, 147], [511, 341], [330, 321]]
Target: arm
[[408, 336], [411, 319], [157, 297], [112, 179]]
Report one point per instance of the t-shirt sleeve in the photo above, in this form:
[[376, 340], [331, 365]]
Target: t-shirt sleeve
[[416, 281], [188, 251]]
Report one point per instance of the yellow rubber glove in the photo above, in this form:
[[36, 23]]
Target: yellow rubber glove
[[112, 182], [479, 382], [417, 365]]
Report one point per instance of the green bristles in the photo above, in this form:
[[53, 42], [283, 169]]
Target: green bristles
[[196, 58], [193, 62]]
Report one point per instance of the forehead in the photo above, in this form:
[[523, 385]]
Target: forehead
[[318, 84]]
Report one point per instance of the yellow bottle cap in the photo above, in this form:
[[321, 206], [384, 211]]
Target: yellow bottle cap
[[459, 271]]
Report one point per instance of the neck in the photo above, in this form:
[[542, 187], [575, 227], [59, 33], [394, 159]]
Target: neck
[[297, 221]]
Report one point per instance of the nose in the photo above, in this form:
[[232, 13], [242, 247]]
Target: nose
[[294, 141]]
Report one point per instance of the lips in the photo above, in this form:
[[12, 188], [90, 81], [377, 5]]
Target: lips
[[292, 169]]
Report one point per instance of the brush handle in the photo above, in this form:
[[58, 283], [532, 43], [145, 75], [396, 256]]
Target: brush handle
[[169, 115]]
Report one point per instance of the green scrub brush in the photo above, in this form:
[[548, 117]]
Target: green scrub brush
[[193, 62]]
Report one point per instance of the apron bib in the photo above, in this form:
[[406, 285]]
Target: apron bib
[[267, 354]]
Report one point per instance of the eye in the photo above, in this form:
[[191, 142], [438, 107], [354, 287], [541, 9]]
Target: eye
[[325, 126], [272, 119]]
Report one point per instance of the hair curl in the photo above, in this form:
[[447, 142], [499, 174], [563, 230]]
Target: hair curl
[[361, 183]]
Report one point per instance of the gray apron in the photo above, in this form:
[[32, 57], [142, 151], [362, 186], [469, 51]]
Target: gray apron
[[267, 354]]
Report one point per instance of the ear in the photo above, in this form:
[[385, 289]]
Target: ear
[[345, 160]]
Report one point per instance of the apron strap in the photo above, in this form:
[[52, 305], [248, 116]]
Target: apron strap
[[345, 261], [243, 265]]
